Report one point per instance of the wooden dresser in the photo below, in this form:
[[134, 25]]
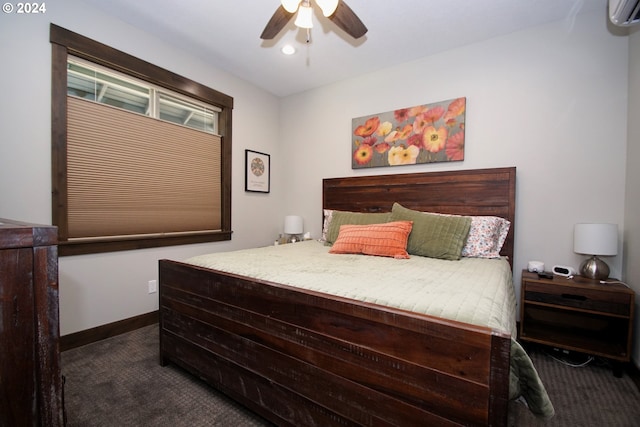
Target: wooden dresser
[[29, 326]]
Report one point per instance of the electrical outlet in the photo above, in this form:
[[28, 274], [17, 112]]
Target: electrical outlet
[[153, 286]]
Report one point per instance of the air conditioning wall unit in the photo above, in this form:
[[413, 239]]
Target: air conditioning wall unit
[[624, 12]]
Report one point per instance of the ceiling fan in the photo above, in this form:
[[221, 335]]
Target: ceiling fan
[[336, 10]]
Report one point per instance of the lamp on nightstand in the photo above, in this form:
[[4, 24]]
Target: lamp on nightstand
[[594, 240], [293, 227]]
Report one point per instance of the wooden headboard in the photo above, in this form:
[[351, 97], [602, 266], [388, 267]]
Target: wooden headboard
[[463, 192]]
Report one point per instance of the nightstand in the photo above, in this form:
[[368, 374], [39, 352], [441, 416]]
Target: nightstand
[[578, 314]]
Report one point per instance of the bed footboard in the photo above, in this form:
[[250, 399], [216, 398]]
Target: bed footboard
[[303, 358]]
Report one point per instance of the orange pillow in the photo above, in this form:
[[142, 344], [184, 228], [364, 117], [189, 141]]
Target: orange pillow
[[388, 239]]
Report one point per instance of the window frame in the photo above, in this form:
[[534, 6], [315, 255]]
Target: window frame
[[65, 43]]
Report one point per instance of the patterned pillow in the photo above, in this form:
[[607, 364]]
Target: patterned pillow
[[486, 237], [328, 216], [388, 239]]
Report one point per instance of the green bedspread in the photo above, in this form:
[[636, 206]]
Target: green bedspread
[[472, 290]]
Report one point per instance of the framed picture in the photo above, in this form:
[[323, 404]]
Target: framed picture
[[257, 173], [421, 134]]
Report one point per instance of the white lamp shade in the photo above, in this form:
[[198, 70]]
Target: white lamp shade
[[293, 224], [303, 20], [596, 239]]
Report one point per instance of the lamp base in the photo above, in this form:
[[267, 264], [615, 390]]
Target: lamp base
[[594, 268], [292, 238]]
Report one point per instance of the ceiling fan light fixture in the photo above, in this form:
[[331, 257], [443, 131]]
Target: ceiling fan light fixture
[[290, 5], [303, 20], [328, 6], [336, 11]]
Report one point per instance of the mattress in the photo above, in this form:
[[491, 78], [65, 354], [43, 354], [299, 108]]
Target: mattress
[[471, 290]]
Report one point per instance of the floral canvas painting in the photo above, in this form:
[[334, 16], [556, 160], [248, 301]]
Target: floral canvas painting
[[422, 134]]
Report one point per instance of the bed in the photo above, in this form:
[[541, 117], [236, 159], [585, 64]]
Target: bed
[[287, 342]]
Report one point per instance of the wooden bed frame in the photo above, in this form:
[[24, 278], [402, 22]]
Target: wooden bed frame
[[302, 358]]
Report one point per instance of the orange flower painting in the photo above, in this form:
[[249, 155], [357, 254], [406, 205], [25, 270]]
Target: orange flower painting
[[422, 134]]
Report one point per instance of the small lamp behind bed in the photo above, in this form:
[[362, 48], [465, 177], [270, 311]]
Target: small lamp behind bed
[[293, 228]]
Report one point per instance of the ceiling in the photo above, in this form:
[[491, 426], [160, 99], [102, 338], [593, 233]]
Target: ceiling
[[226, 34]]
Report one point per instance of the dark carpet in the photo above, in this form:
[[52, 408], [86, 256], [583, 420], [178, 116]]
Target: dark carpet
[[583, 396], [119, 382]]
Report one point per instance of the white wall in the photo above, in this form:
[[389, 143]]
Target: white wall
[[103, 288], [632, 208], [551, 101]]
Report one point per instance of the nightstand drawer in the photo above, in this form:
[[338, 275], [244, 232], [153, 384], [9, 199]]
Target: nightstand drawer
[[599, 300]]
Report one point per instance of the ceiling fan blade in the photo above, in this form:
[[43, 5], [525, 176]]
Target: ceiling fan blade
[[276, 23], [346, 19]]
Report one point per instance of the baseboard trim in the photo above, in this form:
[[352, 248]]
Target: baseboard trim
[[78, 339]]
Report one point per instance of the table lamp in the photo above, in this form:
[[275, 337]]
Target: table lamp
[[293, 227], [594, 240]]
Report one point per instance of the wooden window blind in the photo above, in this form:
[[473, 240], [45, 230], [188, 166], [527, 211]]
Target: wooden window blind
[[132, 175]]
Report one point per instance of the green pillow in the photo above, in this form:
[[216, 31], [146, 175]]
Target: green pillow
[[433, 235], [339, 218]]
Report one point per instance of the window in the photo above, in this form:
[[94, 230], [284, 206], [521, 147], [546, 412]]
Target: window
[[141, 156], [92, 82], [98, 84]]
